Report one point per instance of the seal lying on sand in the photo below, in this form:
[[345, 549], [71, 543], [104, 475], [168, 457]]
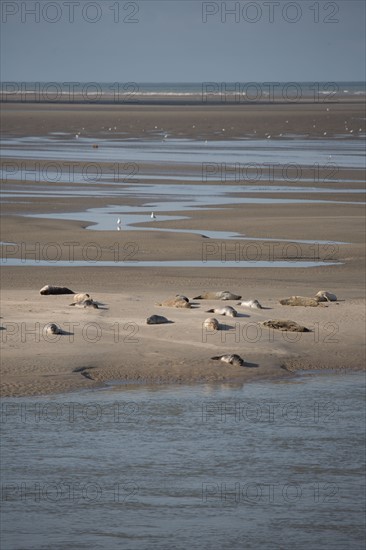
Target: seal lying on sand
[[80, 298], [232, 359], [48, 289], [228, 311], [325, 296], [157, 320], [281, 324], [299, 301], [177, 301], [221, 295], [52, 328], [251, 303], [89, 302], [211, 323]]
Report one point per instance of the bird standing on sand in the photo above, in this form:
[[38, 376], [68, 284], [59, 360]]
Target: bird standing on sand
[[153, 217], [119, 221]]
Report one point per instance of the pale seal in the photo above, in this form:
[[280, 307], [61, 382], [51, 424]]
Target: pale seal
[[80, 298], [157, 320], [254, 304], [325, 296], [211, 323], [232, 359], [299, 301], [227, 310], [220, 295], [281, 324], [89, 302], [48, 289]]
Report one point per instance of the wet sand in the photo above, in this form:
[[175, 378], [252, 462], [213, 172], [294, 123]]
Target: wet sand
[[115, 343], [193, 122]]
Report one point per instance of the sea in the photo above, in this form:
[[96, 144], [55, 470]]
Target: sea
[[197, 92], [269, 464]]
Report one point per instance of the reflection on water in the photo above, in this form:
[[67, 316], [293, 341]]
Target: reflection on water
[[267, 465], [105, 219], [174, 197]]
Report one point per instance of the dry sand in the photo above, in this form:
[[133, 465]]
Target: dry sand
[[114, 343]]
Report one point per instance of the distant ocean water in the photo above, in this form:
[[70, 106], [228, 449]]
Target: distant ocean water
[[202, 92]]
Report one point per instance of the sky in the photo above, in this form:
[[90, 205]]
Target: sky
[[182, 41]]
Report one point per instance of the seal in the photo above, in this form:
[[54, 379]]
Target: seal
[[157, 320], [232, 359], [48, 289], [228, 311], [52, 328], [211, 323], [89, 302], [286, 325], [177, 301], [299, 301], [325, 296], [220, 295], [80, 298], [254, 304]]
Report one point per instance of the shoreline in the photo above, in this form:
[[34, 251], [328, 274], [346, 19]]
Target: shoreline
[[196, 101], [120, 386]]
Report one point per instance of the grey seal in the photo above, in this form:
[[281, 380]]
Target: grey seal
[[300, 301], [232, 359], [157, 320], [48, 289], [282, 324], [52, 328]]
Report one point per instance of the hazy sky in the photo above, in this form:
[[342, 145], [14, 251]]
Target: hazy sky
[[182, 40]]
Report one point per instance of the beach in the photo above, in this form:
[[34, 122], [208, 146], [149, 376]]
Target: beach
[[323, 223]]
